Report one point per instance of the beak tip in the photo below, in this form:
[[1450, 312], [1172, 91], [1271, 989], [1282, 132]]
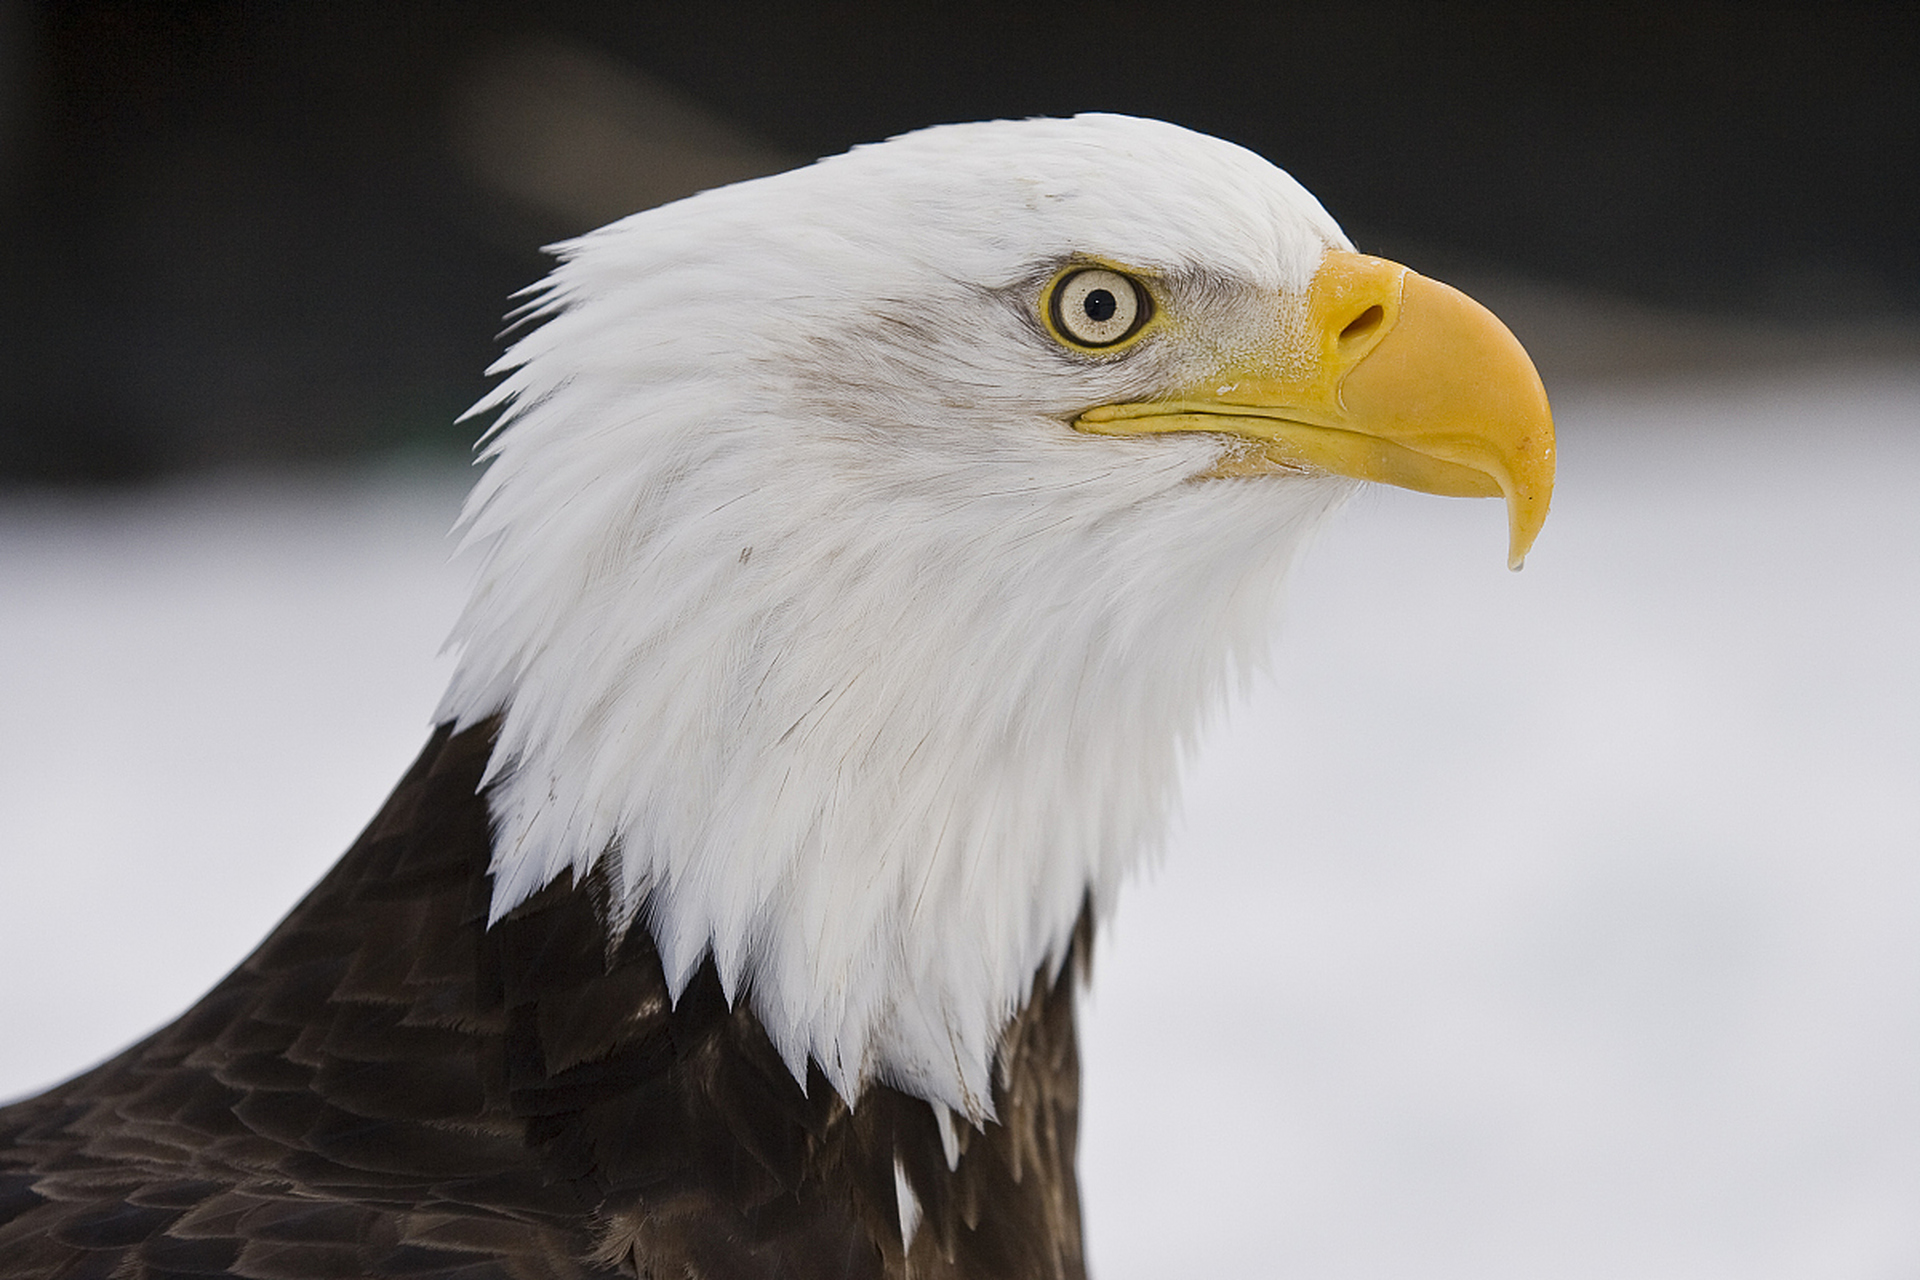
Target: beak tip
[[1526, 514], [1523, 529]]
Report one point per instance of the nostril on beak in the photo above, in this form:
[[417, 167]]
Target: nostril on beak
[[1362, 325]]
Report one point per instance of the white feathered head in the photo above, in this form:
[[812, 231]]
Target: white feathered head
[[861, 545]]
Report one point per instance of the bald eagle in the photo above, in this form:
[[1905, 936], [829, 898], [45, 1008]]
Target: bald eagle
[[859, 548]]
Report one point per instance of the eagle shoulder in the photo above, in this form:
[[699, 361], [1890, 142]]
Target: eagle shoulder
[[388, 1087]]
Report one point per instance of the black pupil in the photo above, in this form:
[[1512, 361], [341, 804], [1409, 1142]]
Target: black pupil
[[1100, 305]]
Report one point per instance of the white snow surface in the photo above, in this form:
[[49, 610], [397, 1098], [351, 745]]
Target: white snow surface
[[1564, 923]]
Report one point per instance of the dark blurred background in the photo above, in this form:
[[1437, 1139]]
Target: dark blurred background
[[264, 233]]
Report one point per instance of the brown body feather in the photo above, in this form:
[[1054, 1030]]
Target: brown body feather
[[388, 1087]]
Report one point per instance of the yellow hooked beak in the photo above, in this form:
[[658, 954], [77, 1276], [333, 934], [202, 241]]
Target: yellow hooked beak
[[1384, 375]]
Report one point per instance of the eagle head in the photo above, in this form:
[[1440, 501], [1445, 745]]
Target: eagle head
[[862, 546]]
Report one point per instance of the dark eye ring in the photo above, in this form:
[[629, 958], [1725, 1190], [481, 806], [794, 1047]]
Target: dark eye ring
[[1096, 307]]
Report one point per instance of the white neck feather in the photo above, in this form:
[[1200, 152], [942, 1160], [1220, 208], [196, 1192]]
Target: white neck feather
[[805, 607]]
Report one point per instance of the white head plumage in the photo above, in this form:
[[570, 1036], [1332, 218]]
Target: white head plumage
[[800, 598]]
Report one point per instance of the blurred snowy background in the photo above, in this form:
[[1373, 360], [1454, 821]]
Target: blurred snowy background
[[1564, 923]]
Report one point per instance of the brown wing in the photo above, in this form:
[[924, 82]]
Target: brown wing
[[389, 1088]]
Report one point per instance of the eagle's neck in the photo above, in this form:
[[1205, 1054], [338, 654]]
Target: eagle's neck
[[876, 784]]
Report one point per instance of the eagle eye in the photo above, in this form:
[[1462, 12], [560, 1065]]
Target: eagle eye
[[1094, 307]]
